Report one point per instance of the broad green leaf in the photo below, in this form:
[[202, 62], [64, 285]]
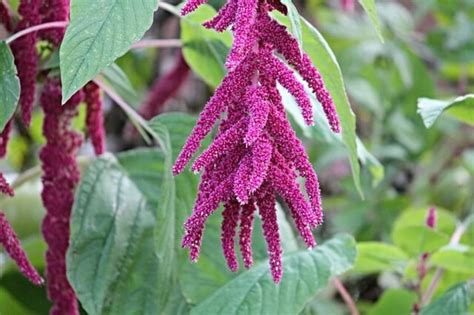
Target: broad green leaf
[[22, 296], [111, 260], [445, 223], [419, 239], [176, 198], [99, 32], [305, 272], [371, 10], [205, 50], [9, 83], [458, 259], [376, 257], [9, 305], [120, 83], [295, 21], [462, 108], [455, 301], [394, 302], [411, 233]]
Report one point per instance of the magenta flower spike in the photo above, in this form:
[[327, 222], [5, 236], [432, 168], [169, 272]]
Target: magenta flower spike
[[60, 177], [10, 242], [224, 18], [26, 57], [4, 138], [230, 221], [5, 187], [245, 235], [94, 117], [52, 11], [256, 156], [431, 218]]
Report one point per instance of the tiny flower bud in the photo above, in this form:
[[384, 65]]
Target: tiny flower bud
[[431, 218]]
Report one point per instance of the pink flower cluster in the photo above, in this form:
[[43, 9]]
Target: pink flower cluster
[[52, 11], [94, 117], [60, 178], [256, 155]]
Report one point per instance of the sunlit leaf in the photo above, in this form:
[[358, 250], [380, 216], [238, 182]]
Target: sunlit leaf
[[455, 301], [462, 108], [9, 85], [99, 32], [371, 9], [304, 274]]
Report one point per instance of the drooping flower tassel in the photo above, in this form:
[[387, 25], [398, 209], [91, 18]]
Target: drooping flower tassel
[[10, 242], [256, 155], [60, 178], [95, 117], [53, 11]]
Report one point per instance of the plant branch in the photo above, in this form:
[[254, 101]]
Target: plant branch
[[455, 238], [169, 7], [345, 296], [138, 120], [157, 43], [39, 27]]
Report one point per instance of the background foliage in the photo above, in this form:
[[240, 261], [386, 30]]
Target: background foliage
[[405, 68]]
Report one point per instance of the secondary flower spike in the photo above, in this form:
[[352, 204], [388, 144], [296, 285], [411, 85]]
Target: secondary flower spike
[[61, 175], [12, 246], [26, 56], [256, 156]]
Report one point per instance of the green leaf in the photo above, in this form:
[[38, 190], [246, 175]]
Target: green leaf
[[111, 259], [176, 196], [205, 50], [10, 85], [376, 257], [369, 161], [455, 258], [371, 10], [305, 273], [295, 21], [455, 301], [462, 108], [120, 83], [394, 302], [99, 32], [411, 233]]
